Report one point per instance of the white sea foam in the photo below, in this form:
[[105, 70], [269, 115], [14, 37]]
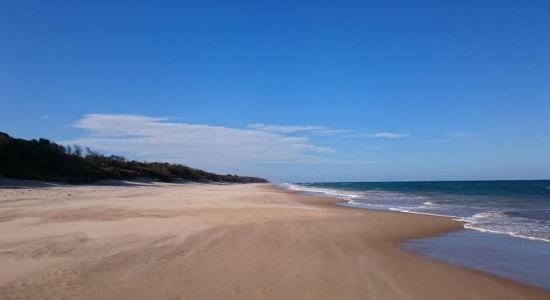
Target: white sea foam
[[501, 223], [493, 221], [422, 213], [345, 195], [480, 229]]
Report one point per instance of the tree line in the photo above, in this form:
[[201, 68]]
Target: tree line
[[45, 160]]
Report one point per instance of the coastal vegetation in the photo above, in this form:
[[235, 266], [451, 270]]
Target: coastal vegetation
[[45, 160]]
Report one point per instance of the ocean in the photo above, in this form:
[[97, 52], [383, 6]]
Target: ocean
[[507, 229]]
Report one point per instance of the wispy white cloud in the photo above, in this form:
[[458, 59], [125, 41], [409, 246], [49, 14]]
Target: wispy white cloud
[[199, 145], [322, 130], [331, 131], [382, 135], [316, 130], [283, 129], [390, 135]]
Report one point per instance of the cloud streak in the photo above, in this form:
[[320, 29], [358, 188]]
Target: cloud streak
[[199, 145], [283, 129], [381, 135], [390, 135]]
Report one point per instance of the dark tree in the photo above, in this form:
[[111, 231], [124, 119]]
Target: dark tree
[[77, 150], [45, 160]]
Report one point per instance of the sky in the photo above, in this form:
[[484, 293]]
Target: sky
[[287, 90]]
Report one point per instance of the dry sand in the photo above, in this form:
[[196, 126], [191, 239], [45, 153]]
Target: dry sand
[[198, 241]]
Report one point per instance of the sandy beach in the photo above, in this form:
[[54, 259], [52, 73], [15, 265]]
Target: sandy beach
[[198, 241]]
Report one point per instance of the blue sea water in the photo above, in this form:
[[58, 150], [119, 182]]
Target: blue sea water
[[523, 260], [508, 219]]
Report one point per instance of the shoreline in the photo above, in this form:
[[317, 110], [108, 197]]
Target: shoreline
[[197, 241], [468, 223], [463, 229], [341, 203], [455, 225]]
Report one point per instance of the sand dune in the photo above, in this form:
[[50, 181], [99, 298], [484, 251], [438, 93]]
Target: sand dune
[[193, 241]]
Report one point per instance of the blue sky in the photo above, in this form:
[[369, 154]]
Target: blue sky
[[289, 90]]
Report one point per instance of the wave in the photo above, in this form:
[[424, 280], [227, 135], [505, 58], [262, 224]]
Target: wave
[[504, 222], [423, 213], [480, 217], [480, 229], [345, 195]]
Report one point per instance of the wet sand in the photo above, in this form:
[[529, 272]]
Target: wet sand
[[197, 241]]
